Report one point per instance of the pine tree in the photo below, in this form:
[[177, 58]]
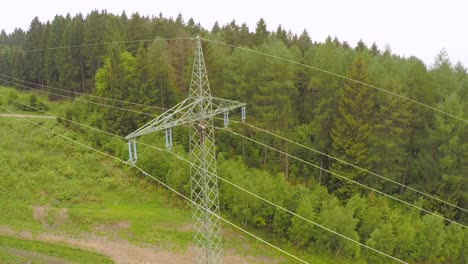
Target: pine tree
[[304, 41], [361, 46], [35, 39], [245, 37], [351, 129], [230, 33], [261, 32], [161, 86], [216, 29]]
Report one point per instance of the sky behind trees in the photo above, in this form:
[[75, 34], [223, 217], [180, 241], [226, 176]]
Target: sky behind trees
[[419, 28]]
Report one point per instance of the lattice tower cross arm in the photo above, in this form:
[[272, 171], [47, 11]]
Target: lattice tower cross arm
[[197, 111]]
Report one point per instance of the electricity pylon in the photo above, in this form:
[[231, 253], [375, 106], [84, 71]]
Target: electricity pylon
[[197, 111]]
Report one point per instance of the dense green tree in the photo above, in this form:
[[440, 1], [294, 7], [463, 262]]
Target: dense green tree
[[429, 239], [341, 220], [261, 32], [230, 33], [351, 128], [138, 29], [418, 85], [18, 64], [281, 35], [361, 46], [301, 233], [116, 79], [35, 40], [245, 37], [100, 27], [391, 128], [161, 76], [452, 247], [451, 148], [55, 58], [17, 38], [382, 239], [304, 42], [318, 98], [180, 55], [3, 38], [215, 29], [374, 50], [272, 101], [405, 232]]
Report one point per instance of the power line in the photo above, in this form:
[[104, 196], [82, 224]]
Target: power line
[[258, 52], [165, 185], [311, 164], [78, 99], [352, 165], [84, 94], [249, 125], [316, 166], [280, 207], [254, 51], [241, 188], [340, 76], [343, 177], [269, 55], [98, 44]]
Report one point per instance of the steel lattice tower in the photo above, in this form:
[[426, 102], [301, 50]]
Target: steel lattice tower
[[197, 111]]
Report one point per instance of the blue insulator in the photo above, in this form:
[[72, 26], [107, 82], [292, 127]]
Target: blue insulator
[[170, 137], [168, 132], [130, 157], [132, 151], [226, 119], [243, 113], [135, 156]]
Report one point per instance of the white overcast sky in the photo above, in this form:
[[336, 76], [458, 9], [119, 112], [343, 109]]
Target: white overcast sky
[[409, 27]]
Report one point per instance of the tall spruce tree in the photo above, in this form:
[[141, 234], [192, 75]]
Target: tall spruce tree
[[35, 39], [261, 32], [351, 129]]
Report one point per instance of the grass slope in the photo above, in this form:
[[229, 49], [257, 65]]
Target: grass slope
[[49, 249], [41, 171]]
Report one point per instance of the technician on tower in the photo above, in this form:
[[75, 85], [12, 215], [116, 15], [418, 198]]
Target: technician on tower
[[201, 129]]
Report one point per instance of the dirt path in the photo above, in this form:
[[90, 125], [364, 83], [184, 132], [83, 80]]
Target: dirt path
[[122, 252], [30, 256], [27, 116]]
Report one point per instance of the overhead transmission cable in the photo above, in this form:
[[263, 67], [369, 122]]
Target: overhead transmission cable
[[78, 99], [306, 162], [278, 206], [236, 186], [256, 128], [339, 76], [350, 164], [343, 177], [276, 57], [84, 94], [258, 52], [97, 44], [164, 184]]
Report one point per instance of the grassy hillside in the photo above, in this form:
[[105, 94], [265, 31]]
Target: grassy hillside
[[49, 184], [15, 250]]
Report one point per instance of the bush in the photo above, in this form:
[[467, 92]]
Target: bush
[[12, 97], [34, 105]]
